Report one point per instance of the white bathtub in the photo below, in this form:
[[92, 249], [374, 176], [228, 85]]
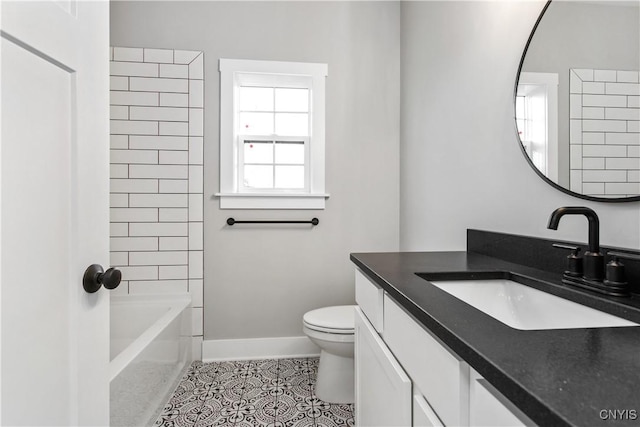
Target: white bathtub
[[150, 350]]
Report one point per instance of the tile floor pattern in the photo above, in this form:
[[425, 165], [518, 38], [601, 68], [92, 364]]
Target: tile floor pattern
[[271, 392]]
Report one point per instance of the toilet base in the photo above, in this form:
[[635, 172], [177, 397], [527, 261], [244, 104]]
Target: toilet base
[[336, 380]]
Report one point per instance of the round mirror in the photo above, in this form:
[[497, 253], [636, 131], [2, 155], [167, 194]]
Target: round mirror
[[577, 98]]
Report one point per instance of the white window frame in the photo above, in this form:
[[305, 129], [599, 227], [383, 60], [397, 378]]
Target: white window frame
[[233, 73], [545, 85]]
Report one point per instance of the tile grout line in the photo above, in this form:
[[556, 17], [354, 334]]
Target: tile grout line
[[312, 395], [207, 387], [278, 384], [244, 390]]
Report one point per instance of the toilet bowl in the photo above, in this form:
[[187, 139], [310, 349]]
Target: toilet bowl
[[332, 329]]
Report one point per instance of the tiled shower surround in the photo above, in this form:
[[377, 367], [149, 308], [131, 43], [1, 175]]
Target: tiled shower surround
[[604, 108], [157, 100]]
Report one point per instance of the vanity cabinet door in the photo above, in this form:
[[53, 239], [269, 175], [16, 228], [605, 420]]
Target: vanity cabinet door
[[489, 407], [423, 415], [441, 376], [383, 390]]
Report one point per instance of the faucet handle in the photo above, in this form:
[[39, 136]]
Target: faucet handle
[[615, 273], [574, 261], [575, 249]]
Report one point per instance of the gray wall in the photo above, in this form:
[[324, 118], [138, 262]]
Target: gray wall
[[461, 164], [260, 280], [582, 35]]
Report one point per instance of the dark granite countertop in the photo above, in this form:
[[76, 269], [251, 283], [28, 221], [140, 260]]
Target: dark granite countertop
[[556, 377]]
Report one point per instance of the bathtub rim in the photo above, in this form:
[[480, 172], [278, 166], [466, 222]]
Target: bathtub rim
[[177, 304]]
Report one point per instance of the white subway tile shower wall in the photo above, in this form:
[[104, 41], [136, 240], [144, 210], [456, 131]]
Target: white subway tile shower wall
[[605, 132], [156, 172]]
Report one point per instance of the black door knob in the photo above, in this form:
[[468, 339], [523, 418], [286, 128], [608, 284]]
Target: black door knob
[[95, 276]]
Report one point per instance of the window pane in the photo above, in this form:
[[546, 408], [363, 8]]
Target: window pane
[[289, 176], [256, 124], [292, 100], [258, 152], [520, 125], [290, 152], [258, 176], [256, 99], [292, 124], [519, 107]]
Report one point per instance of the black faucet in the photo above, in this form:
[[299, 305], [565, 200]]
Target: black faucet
[[593, 259]]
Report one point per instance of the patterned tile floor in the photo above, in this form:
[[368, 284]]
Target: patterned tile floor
[[272, 392]]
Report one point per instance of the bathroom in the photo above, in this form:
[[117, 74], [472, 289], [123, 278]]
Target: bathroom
[[420, 147]]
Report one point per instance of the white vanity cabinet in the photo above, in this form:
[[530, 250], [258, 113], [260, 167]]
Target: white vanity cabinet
[[440, 375], [370, 299], [383, 396], [423, 414], [488, 407], [406, 376]]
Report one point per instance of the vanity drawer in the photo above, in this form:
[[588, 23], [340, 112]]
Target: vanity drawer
[[370, 298], [441, 376]]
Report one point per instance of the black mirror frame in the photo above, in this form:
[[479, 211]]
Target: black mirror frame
[[540, 174]]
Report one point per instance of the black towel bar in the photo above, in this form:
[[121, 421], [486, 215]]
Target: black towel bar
[[313, 221]]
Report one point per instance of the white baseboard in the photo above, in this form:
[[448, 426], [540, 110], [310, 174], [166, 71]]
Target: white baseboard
[[258, 348]]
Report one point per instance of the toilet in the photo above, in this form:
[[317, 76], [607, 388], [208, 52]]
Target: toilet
[[332, 329]]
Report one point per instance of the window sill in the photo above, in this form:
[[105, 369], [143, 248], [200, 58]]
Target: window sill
[[272, 201]]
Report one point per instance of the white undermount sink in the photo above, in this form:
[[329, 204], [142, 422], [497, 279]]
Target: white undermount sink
[[523, 307]]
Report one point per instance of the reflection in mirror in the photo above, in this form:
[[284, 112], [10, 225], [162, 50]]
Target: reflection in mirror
[[578, 98], [537, 120]]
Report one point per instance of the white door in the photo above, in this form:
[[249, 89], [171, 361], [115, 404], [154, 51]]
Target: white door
[[53, 212]]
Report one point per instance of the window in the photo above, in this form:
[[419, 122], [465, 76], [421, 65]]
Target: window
[[537, 120], [271, 135]]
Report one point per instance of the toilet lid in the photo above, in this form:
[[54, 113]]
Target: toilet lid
[[338, 318]]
